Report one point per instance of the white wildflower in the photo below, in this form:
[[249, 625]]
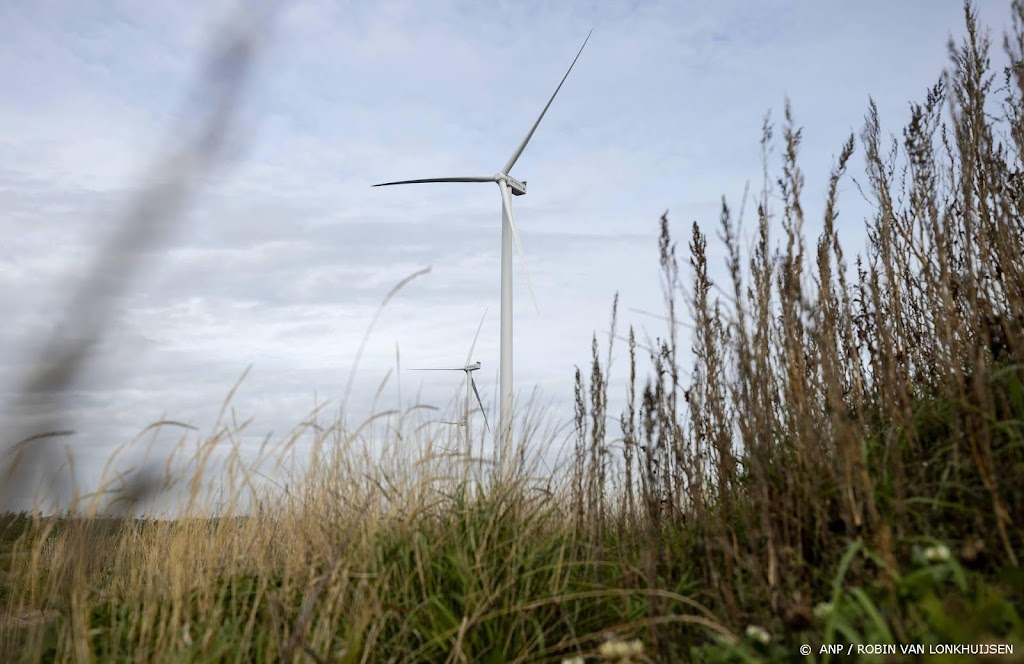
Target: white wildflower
[[937, 554], [823, 610], [620, 650], [759, 634]]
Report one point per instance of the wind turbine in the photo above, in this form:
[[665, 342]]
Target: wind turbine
[[469, 368], [509, 186]]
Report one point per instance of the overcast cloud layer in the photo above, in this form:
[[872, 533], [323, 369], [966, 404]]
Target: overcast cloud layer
[[283, 258]]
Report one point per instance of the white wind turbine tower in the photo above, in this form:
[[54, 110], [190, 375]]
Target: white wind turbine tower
[[509, 186], [469, 368]]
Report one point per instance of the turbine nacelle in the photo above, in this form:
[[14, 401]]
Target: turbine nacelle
[[518, 188]]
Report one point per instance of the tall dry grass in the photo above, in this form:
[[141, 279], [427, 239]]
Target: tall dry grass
[[837, 422], [841, 464]]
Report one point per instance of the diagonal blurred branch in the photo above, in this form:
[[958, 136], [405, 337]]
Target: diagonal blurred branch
[[196, 146]]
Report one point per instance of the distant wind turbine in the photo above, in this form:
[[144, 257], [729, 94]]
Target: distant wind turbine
[[508, 186], [469, 368]]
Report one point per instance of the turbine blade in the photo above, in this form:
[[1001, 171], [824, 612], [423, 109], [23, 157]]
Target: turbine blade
[[522, 146], [506, 202], [441, 369], [469, 358], [479, 401], [470, 178]]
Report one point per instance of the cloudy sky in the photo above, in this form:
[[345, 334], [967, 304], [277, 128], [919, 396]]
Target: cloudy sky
[[281, 259]]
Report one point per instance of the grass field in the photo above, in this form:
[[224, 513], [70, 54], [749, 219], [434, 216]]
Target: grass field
[[842, 465]]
